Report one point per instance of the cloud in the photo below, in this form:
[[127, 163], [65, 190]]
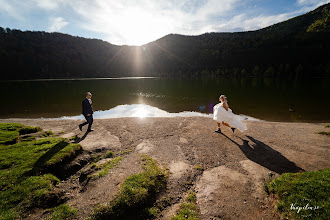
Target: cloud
[[308, 5], [138, 22], [315, 3], [216, 7], [135, 22], [243, 22], [10, 9], [248, 22], [47, 4], [57, 24]]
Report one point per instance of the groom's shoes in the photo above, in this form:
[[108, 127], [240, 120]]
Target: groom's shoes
[[89, 130], [80, 127]]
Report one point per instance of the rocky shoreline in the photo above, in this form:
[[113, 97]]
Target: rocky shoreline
[[227, 171]]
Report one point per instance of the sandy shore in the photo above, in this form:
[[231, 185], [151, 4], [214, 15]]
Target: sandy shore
[[233, 167]]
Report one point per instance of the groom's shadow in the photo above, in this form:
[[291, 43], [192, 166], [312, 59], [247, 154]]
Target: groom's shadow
[[78, 139], [266, 156]]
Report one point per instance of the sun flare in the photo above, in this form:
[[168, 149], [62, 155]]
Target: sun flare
[[139, 26], [141, 112]]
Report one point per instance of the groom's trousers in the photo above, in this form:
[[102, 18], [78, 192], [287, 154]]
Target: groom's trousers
[[89, 121]]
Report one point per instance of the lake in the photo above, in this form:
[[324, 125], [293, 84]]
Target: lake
[[263, 98]]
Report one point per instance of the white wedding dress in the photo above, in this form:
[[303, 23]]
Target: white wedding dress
[[220, 114]]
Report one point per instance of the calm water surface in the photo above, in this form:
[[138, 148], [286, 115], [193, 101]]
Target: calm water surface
[[267, 99]]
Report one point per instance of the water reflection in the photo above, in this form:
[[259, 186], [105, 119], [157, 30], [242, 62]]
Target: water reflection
[[267, 99], [145, 111], [139, 111]]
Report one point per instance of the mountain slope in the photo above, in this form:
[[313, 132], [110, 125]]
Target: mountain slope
[[294, 48], [314, 21]]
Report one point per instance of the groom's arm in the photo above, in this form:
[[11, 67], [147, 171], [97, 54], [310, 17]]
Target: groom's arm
[[85, 108]]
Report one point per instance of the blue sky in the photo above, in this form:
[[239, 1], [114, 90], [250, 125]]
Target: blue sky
[[136, 22]]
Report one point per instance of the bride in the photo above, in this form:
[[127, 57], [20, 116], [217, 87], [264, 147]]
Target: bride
[[223, 114]]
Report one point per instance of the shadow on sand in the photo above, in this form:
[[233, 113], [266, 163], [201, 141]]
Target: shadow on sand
[[266, 156], [78, 139]]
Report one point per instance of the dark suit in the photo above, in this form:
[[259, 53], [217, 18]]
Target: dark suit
[[87, 109]]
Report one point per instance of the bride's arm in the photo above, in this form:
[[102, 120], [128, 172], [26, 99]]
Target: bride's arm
[[226, 106]]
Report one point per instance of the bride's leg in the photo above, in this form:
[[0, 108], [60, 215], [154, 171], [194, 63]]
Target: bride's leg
[[224, 123], [219, 130], [233, 129]]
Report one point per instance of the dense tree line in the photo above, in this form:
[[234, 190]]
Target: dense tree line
[[295, 48]]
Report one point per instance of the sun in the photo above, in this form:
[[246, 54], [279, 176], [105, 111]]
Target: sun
[[140, 27], [141, 112]]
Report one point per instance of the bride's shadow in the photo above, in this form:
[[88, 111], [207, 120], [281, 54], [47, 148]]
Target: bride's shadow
[[266, 156]]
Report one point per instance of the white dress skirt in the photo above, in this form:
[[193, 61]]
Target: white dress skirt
[[220, 114]]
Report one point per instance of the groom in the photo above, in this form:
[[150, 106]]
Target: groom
[[87, 111]]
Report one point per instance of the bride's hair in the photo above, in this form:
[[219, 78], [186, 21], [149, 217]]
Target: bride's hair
[[224, 98]]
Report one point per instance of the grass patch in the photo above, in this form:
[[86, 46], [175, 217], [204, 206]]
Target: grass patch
[[28, 130], [125, 152], [108, 166], [9, 132], [24, 181], [188, 210], [61, 151], [109, 154], [137, 193], [8, 137], [10, 126], [73, 138], [198, 168], [96, 157], [47, 134], [324, 133], [153, 212], [63, 211], [327, 126], [303, 195], [28, 138]]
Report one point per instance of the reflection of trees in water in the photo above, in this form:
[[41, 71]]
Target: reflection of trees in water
[[268, 99]]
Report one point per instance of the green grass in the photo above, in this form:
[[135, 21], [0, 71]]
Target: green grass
[[63, 151], [47, 134], [24, 180], [109, 154], [160, 205], [153, 212], [96, 157], [28, 130], [125, 152], [9, 132], [10, 126], [327, 126], [8, 137], [324, 133], [108, 166], [299, 189], [136, 194], [188, 210], [28, 138], [62, 212]]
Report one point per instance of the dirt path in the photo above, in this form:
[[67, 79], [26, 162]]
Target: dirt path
[[226, 170]]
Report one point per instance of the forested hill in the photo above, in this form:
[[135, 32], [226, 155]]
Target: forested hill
[[295, 48]]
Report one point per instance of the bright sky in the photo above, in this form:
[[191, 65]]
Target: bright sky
[[136, 22]]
